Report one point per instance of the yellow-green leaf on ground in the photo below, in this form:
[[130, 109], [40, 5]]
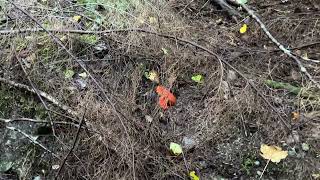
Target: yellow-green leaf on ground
[[153, 76], [68, 73], [273, 153], [243, 28], [76, 18], [197, 78], [175, 148], [193, 175]]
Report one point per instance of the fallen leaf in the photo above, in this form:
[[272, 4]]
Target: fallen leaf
[[273, 153], [63, 38], [31, 58], [175, 148], [198, 78], [305, 56], [166, 98], [243, 28], [152, 20], [153, 76], [295, 116], [193, 175], [68, 73], [165, 51], [83, 75], [76, 18], [55, 167], [305, 146], [316, 176], [148, 118]]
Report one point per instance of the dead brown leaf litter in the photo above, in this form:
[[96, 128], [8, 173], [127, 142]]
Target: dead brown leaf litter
[[219, 123]]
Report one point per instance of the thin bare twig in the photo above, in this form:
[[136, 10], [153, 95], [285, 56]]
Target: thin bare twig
[[38, 94], [264, 169], [75, 31], [51, 99], [280, 46], [73, 145], [35, 121]]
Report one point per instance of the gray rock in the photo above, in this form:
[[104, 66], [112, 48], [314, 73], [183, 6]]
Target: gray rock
[[189, 142]]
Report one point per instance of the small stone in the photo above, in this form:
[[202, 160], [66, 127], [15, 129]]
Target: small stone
[[295, 75], [278, 101], [292, 152], [203, 164], [257, 163], [55, 167], [305, 146], [293, 138], [259, 173], [226, 89], [82, 84], [232, 75], [37, 178], [188, 142], [148, 118]]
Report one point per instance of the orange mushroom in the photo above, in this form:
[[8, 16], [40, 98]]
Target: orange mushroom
[[166, 98]]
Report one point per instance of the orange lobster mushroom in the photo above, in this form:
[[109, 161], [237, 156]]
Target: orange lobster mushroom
[[166, 98]]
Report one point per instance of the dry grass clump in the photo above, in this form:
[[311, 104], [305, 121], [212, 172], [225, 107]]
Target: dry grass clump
[[227, 117]]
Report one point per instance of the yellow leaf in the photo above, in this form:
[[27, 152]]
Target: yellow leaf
[[295, 116], [152, 20], [175, 148], [76, 18], [244, 28], [316, 176], [153, 76], [165, 51], [305, 56], [273, 153], [193, 175], [63, 38]]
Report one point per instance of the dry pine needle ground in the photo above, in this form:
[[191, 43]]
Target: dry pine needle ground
[[129, 134]]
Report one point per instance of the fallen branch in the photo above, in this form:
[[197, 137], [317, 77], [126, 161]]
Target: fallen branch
[[36, 121], [41, 93], [280, 46], [301, 91], [73, 145], [75, 31]]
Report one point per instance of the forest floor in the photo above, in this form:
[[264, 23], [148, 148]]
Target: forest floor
[[234, 91]]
